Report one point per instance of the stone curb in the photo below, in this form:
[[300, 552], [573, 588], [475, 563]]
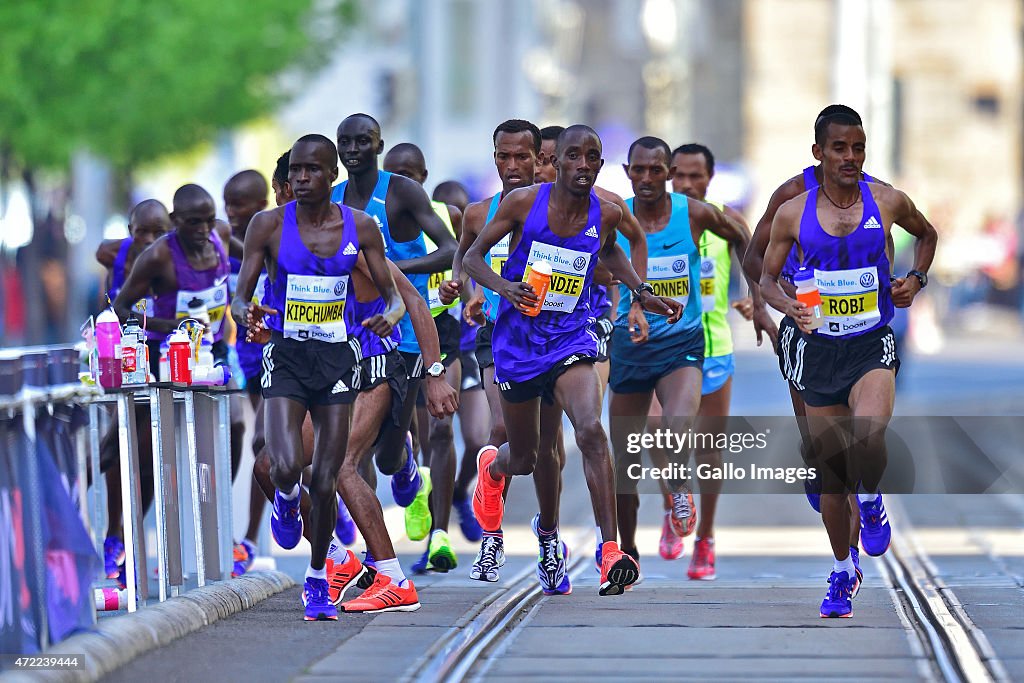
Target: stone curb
[[116, 641]]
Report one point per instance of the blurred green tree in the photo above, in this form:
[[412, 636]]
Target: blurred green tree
[[133, 80]]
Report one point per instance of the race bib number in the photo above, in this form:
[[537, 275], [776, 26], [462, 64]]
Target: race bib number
[[849, 300], [315, 308], [434, 293], [670, 277], [707, 283], [215, 298], [568, 275]]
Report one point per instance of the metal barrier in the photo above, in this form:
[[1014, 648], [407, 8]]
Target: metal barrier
[[190, 434]]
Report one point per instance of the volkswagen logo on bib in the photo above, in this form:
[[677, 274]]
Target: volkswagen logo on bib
[[580, 263], [218, 296], [339, 287], [867, 280], [679, 265], [707, 268]]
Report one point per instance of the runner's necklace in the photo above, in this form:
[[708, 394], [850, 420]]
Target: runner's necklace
[[843, 208]]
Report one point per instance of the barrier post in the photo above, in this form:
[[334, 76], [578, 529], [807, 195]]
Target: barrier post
[[136, 578], [193, 475]]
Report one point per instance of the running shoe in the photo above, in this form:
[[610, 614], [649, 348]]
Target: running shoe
[[635, 554], [417, 514], [442, 557], [113, 556], [488, 505], [316, 598], [875, 532], [251, 549], [489, 559], [837, 602], [242, 560], [812, 488], [702, 565], [618, 570], [286, 521], [405, 483], [422, 565], [684, 514], [344, 527], [670, 547], [385, 596], [551, 567], [343, 575], [467, 522], [535, 525], [855, 555]]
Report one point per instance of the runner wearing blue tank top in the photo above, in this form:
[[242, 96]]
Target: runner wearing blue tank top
[[649, 356], [847, 366], [403, 214], [753, 263], [309, 249], [544, 364], [430, 512]]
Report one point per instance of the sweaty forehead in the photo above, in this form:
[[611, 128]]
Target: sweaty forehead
[[581, 139], [195, 206], [356, 126], [311, 152], [847, 133], [689, 163], [514, 141]]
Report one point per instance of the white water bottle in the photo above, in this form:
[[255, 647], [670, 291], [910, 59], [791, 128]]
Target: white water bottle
[[807, 293]]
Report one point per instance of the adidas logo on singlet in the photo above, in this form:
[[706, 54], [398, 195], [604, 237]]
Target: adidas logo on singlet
[[350, 250], [339, 387], [872, 224], [591, 231]]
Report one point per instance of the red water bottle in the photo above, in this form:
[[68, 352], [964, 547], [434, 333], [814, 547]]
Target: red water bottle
[[179, 357]]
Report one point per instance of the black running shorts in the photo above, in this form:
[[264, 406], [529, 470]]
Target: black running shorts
[[543, 385], [824, 369], [603, 329], [484, 354], [387, 368], [311, 372]]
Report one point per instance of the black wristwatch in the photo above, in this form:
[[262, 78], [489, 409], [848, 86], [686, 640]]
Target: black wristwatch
[[921, 277], [641, 288]]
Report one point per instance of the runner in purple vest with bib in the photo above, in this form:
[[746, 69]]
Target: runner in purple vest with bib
[[846, 367], [544, 364]]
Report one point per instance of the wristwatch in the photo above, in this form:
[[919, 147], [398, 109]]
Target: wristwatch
[[436, 369], [921, 277], [641, 288]]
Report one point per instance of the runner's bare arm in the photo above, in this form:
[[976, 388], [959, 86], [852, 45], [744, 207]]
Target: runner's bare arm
[[756, 312], [420, 211], [152, 268], [631, 229], [262, 228], [753, 259], [371, 246], [508, 219], [106, 254], [783, 235], [906, 215], [472, 221]]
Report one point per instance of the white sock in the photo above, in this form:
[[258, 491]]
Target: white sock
[[845, 566], [337, 552], [291, 495], [392, 569], [867, 497], [316, 573]]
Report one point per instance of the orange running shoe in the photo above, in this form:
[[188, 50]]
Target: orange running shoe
[[385, 596], [671, 545], [618, 570], [343, 575], [702, 566], [488, 505], [684, 514]]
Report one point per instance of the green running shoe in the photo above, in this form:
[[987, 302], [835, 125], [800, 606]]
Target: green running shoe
[[442, 557], [417, 515]]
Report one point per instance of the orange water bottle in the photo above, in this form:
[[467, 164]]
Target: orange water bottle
[[807, 293], [538, 274]]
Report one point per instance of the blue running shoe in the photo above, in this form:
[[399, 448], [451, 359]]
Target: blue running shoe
[[837, 602], [875, 532], [113, 556], [286, 521], [344, 527], [316, 597], [812, 487], [598, 558], [422, 565], [855, 555], [554, 580], [406, 482], [535, 525], [467, 520]]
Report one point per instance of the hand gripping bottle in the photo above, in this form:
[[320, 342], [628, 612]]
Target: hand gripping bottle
[[108, 343], [539, 275], [179, 357], [807, 293]]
